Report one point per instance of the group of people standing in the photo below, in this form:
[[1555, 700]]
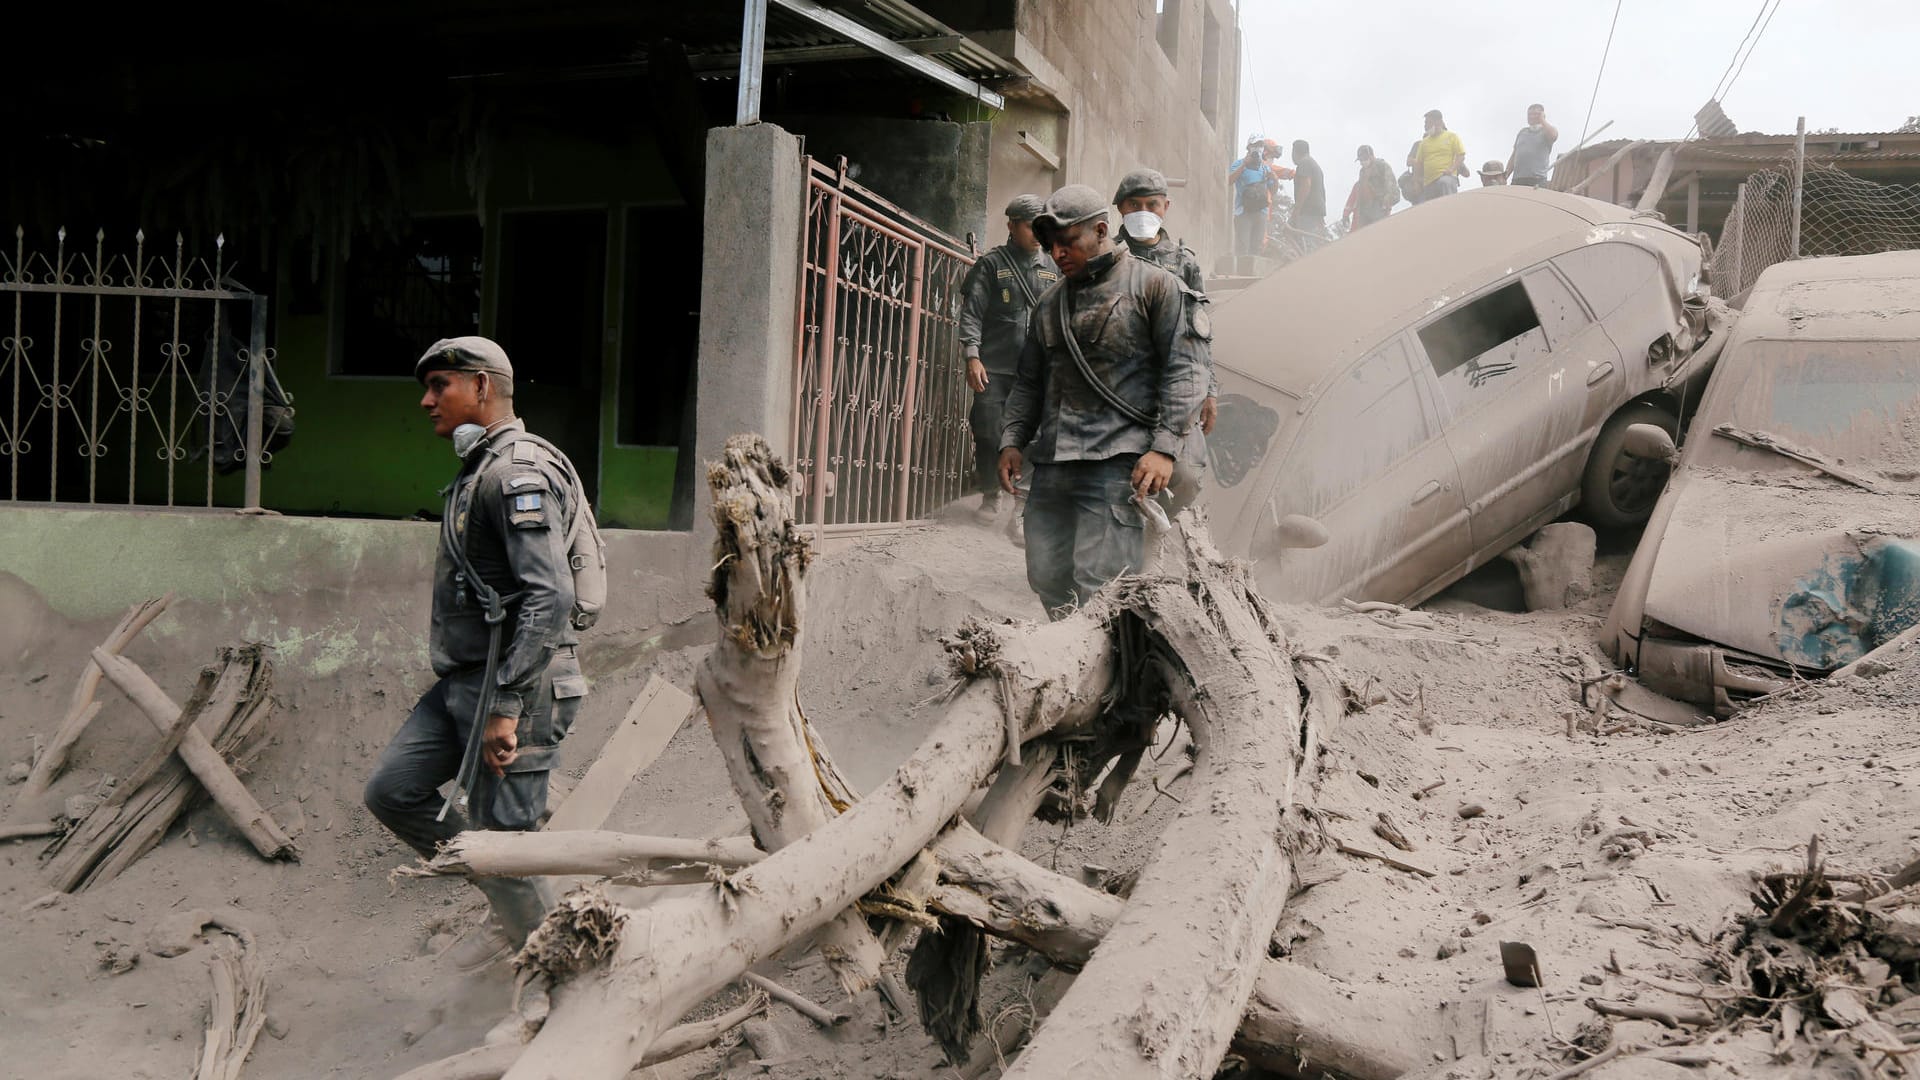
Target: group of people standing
[[1436, 164], [1087, 353]]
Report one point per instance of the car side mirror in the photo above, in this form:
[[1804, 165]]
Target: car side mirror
[[1649, 441], [1299, 531]]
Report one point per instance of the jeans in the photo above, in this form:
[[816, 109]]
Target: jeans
[[984, 418], [1250, 232], [1446, 184], [1368, 213], [425, 753], [1082, 530]]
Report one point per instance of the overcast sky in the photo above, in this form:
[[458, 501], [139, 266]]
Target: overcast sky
[[1364, 71]]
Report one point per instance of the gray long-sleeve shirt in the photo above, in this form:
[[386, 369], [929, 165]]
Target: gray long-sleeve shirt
[[996, 299], [510, 504], [1143, 334]]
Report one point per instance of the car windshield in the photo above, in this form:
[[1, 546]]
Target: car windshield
[[1850, 403]]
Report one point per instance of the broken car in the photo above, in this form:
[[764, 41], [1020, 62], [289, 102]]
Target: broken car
[[1788, 540], [1402, 406]]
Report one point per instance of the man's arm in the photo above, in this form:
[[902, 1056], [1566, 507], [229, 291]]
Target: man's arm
[[1553, 133], [533, 516], [1177, 321], [973, 304], [1302, 187], [1021, 416]]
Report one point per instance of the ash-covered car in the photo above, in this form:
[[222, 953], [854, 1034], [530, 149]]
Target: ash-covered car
[[1788, 540], [1403, 405]]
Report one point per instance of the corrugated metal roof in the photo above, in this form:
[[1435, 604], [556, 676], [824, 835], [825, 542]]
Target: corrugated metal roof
[[893, 19]]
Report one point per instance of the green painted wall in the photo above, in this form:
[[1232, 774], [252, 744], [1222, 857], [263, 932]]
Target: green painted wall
[[362, 444]]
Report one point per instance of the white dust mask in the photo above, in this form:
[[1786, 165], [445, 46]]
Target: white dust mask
[[466, 437], [1142, 224]]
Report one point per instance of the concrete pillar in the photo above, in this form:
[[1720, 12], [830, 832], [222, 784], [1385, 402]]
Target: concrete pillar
[[749, 279]]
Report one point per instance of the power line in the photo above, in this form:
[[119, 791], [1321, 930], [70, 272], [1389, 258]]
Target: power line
[[1756, 45], [1725, 85], [1246, 55], [1585, 124]]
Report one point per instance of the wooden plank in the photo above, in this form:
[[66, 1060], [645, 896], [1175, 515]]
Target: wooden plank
[[649, 725]]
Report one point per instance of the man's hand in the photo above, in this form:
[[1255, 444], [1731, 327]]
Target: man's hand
[[1010, 461], [499, 745], [1209, 412], [1150, 473], [976, 374]]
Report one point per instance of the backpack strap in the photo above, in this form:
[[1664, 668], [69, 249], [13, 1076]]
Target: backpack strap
[[1099, 385]]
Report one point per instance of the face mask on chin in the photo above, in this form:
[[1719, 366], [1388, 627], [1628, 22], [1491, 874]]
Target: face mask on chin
[[1142, 224], [465, 438]]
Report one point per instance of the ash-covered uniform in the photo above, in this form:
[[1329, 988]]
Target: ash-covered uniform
[[996, 298], [1190, 472], [510, 504], [1145, 335]]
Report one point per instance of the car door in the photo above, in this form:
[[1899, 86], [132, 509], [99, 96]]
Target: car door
[[1370, 464], [1512, 405]]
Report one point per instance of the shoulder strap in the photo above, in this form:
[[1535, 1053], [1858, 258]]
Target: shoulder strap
[[579, 517], [1120, 405], [1020, 278]]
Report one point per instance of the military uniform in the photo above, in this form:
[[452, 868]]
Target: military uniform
[[508, 509], [996, 298], [1174, 256], [1144, 336]]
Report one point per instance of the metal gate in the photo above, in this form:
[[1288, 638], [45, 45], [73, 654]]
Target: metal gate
[[127, 378], [880, 401]]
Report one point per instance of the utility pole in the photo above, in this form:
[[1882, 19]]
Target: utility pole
[[1799, 182]]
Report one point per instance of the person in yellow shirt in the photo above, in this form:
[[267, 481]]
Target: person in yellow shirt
[[1439, 159]]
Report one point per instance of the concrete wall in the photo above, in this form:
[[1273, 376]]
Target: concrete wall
[[936, 170], [332, 596], [1106, 97], [756, 205]]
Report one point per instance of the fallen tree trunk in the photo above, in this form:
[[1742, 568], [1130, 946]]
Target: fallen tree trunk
[[198, 753], [491, 1062], [1163, 997], [673, 954], [628, 859], [81, 707], [747, 684], [1161, 1000], [1297, 1021]]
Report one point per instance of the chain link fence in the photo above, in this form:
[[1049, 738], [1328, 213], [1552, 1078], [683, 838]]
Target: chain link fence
[[1840, 214]]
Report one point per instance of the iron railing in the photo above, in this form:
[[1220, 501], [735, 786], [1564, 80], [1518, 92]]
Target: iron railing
[[117, 369], [880, 400]]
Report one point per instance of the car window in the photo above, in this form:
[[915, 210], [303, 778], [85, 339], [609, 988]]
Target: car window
[[1367, 421], [1606, 274], [1484, 346], [1561, 315]]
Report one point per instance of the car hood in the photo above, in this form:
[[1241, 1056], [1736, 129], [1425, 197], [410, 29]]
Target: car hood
[[1808, 573]]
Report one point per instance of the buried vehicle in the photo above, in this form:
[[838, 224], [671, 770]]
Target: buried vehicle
[[1403, 405], [1788, 539]]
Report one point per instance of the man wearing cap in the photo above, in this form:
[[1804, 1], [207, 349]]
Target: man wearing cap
[[1493, 173], [996, 297], [1374, 193], [1143, 203], [1254, 185], [1111, 375], [501, 639]]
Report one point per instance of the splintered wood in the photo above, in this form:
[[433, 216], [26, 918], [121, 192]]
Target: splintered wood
[[227, 705]]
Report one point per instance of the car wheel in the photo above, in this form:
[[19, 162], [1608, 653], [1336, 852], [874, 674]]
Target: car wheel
[[1618, 491]]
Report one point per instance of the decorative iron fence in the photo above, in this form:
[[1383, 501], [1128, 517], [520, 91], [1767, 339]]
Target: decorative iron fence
[[132, 378], [880, 402]]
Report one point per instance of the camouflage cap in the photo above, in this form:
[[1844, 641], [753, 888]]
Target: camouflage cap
[[1069, 206], [1140, 182], [1025, 207], [471, 353]]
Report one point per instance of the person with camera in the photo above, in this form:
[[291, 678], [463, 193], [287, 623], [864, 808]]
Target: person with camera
[[1254, 184]]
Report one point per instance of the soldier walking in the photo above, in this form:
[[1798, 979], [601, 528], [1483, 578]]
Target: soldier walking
[[998, 294], [502, 637], [1108, 383]]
